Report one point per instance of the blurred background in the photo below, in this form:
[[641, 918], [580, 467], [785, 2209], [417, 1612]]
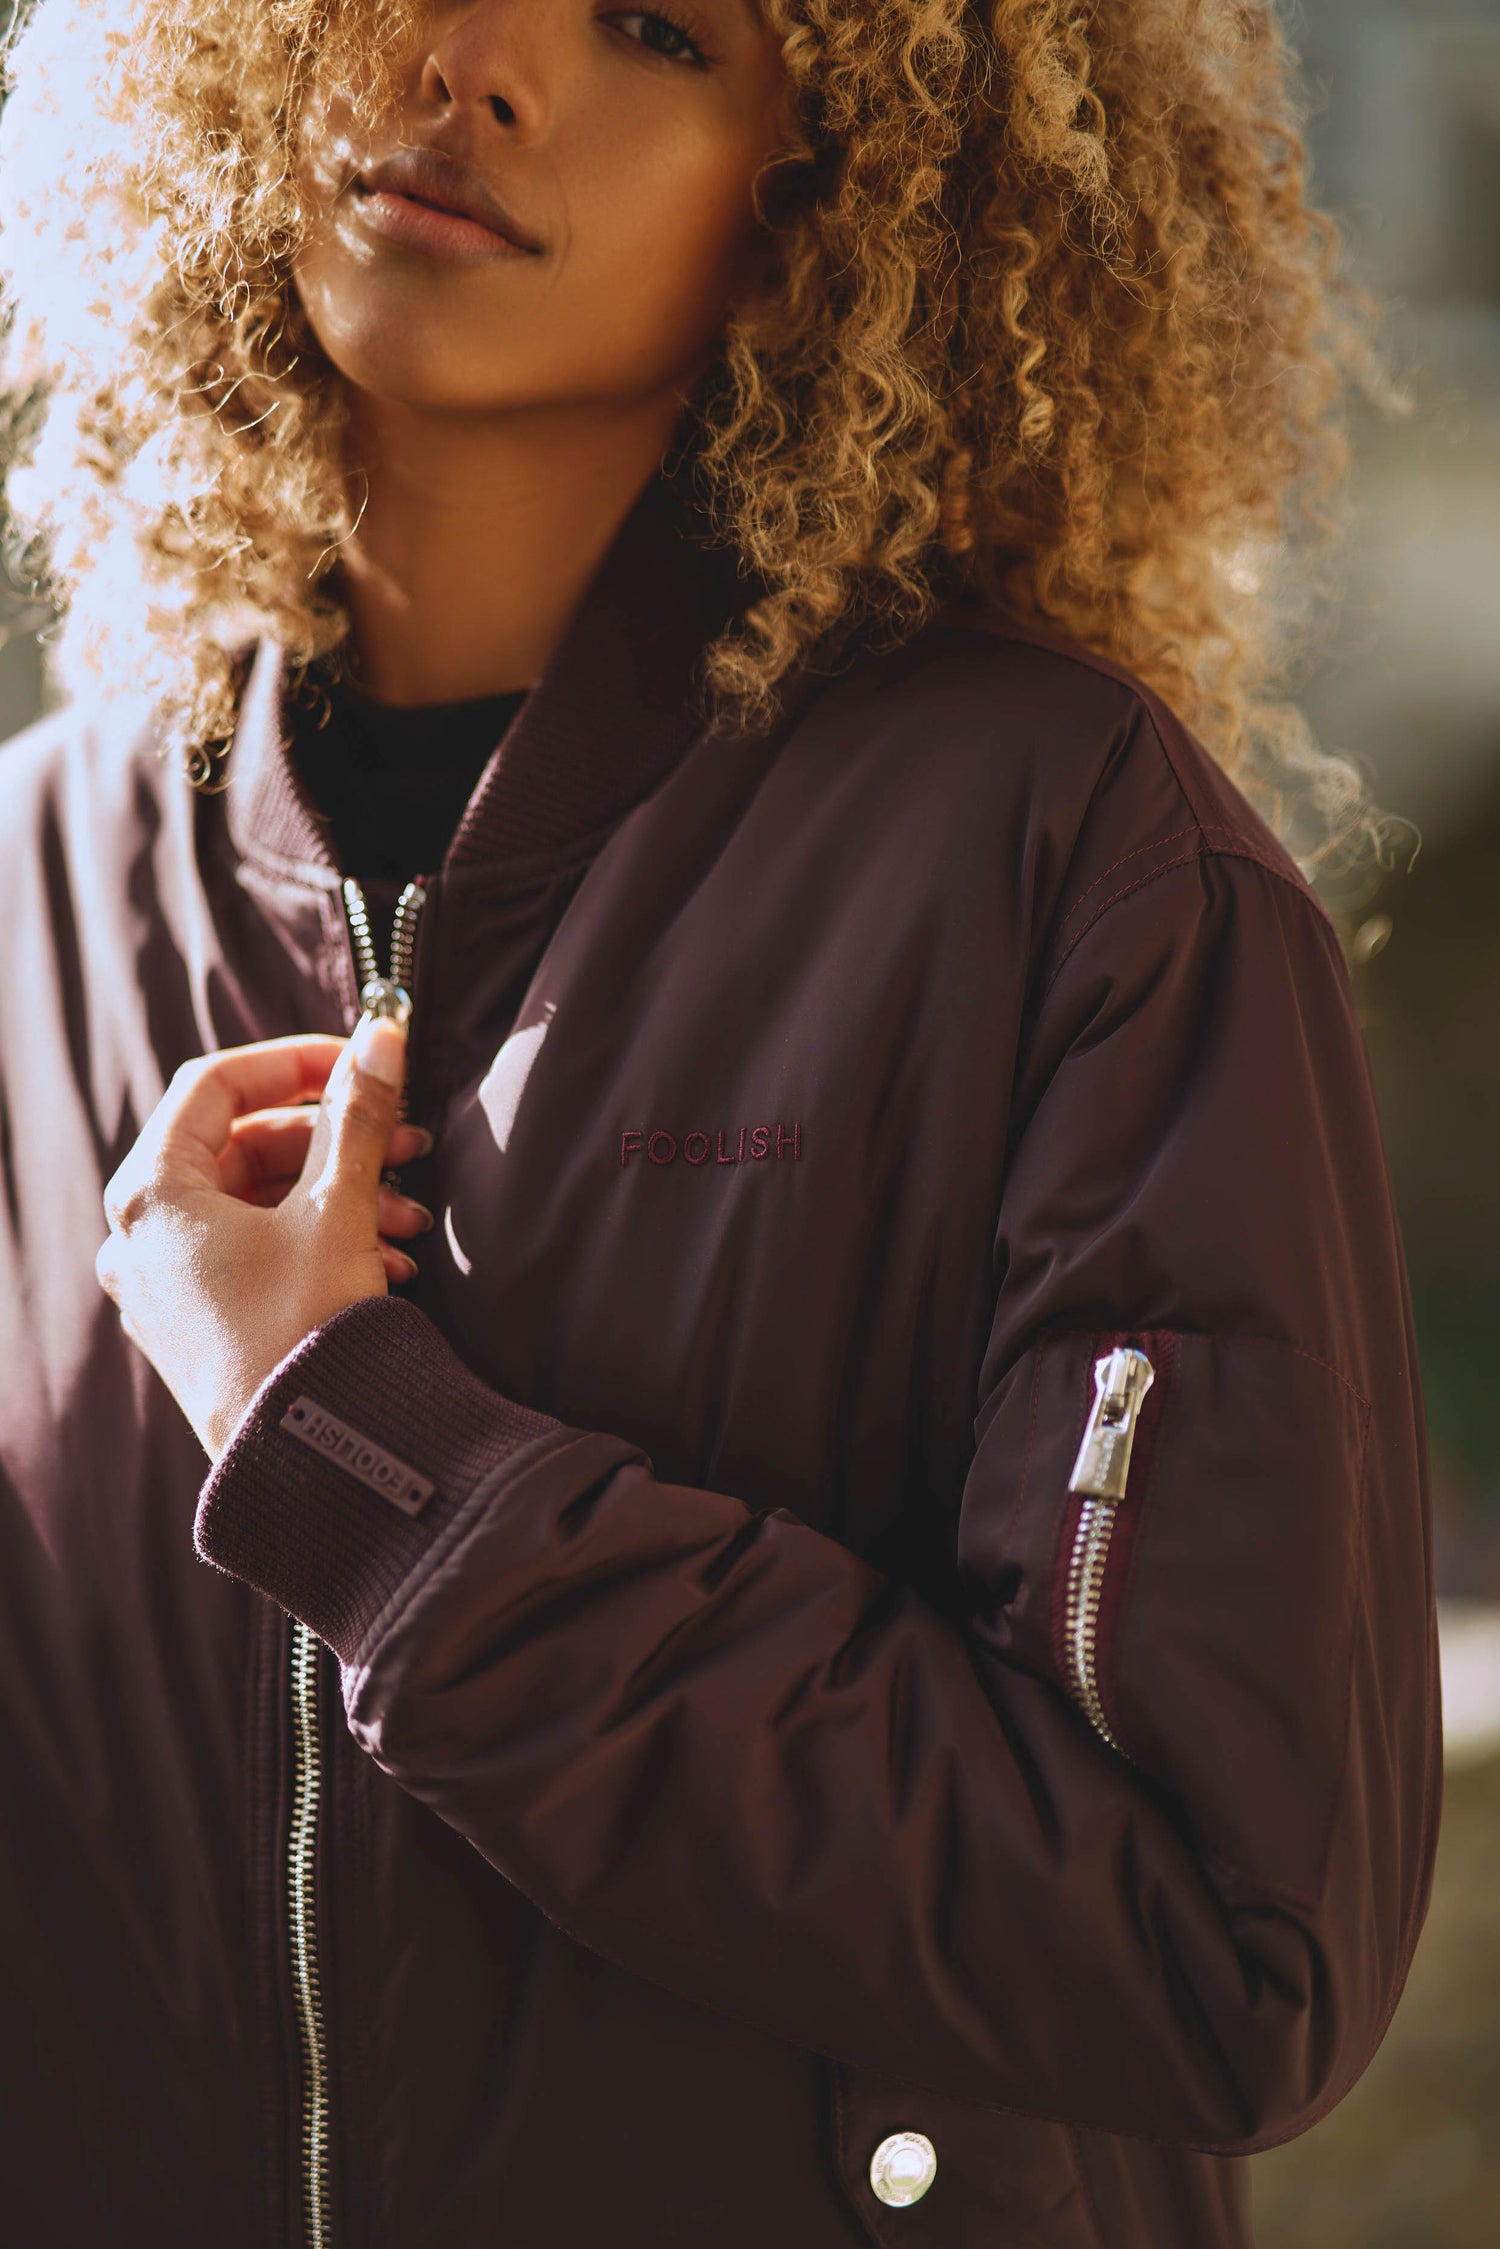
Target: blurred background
[[1406, 149]]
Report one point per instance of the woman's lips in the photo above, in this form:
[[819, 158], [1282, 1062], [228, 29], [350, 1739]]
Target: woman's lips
[[422, 226]]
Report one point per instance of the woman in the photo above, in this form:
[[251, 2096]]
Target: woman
[[819, 1624]]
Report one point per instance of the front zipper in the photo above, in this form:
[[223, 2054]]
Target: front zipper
[[379, 995], [306, 1788], [1121, 1379]]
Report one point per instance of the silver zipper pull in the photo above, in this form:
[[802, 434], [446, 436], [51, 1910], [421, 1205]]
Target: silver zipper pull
[[1121, 1380], [385, 995]]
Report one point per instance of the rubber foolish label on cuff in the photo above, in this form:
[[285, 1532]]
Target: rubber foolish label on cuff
[[394, 1479]]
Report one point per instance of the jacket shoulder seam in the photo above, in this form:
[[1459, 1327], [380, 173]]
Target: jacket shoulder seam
[[1249, 847], [1204, 849], [1200, 828]]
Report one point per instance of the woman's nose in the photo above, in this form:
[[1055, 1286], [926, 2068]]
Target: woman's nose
[[502, 55]]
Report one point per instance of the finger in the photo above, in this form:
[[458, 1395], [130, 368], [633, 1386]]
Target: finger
[[193, 1120], [347, 1152], [401, 1215], [269, 1194], [265, 1150], [407, 1142], [398, 1266], [269, 1148]]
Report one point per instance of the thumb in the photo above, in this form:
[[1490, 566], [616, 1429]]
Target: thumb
[[360, 1106]]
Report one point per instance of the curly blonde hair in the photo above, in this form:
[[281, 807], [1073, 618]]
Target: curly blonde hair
[[1050, 325]]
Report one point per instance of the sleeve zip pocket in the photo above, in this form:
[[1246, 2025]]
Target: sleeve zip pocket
[[1183, 1562]]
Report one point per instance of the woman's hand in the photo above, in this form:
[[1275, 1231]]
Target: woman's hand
[[240, 1221]]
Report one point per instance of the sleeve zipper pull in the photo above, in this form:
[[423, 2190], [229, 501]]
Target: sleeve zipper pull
[[1121, 1380]]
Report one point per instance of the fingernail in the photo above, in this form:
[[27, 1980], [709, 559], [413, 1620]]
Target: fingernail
[[425, 1142], [422, 1212], [380, 1049], [411, 1267]]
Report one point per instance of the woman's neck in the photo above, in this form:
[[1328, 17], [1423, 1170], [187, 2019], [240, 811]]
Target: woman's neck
[[479, 536]]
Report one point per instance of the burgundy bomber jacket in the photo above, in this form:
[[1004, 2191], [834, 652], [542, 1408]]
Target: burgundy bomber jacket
[[853, 1662]]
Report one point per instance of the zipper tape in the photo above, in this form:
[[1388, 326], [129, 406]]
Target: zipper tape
[[302, 1911], [378, 995]]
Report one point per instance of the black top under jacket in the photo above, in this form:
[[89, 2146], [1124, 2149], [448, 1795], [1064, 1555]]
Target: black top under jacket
[[391, 780]]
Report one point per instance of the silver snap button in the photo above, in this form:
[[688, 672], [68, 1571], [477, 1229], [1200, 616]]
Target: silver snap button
[[902, 2168]]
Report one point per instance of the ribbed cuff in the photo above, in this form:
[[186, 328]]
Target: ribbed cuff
[[350, 1461]]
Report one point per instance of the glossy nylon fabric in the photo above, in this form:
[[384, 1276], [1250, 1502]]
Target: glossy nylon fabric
[[704, 1799]]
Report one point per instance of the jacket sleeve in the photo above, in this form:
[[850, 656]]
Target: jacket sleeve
[[717, 1747]]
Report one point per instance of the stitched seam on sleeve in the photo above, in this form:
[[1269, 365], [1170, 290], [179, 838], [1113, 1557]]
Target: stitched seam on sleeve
[[1159, 844], [1280, 1343], [1184, 859], [1353, 1389], [1153, 874], [1199, 828]]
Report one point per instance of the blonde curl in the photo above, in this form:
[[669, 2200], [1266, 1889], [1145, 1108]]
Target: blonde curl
[[1049, 324]]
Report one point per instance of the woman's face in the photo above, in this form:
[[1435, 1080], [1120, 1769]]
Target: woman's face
[[622, 145]]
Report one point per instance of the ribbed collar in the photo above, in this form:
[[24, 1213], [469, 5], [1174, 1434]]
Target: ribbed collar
[[616, 708]]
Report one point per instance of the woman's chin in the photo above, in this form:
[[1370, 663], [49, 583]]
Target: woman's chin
[[391, 347]]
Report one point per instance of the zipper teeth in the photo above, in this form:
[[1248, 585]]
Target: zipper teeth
[[1096, 1521], [301, 1856], [404, 933], [359, 929]]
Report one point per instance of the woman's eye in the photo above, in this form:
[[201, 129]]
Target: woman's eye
[[661, 35]]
